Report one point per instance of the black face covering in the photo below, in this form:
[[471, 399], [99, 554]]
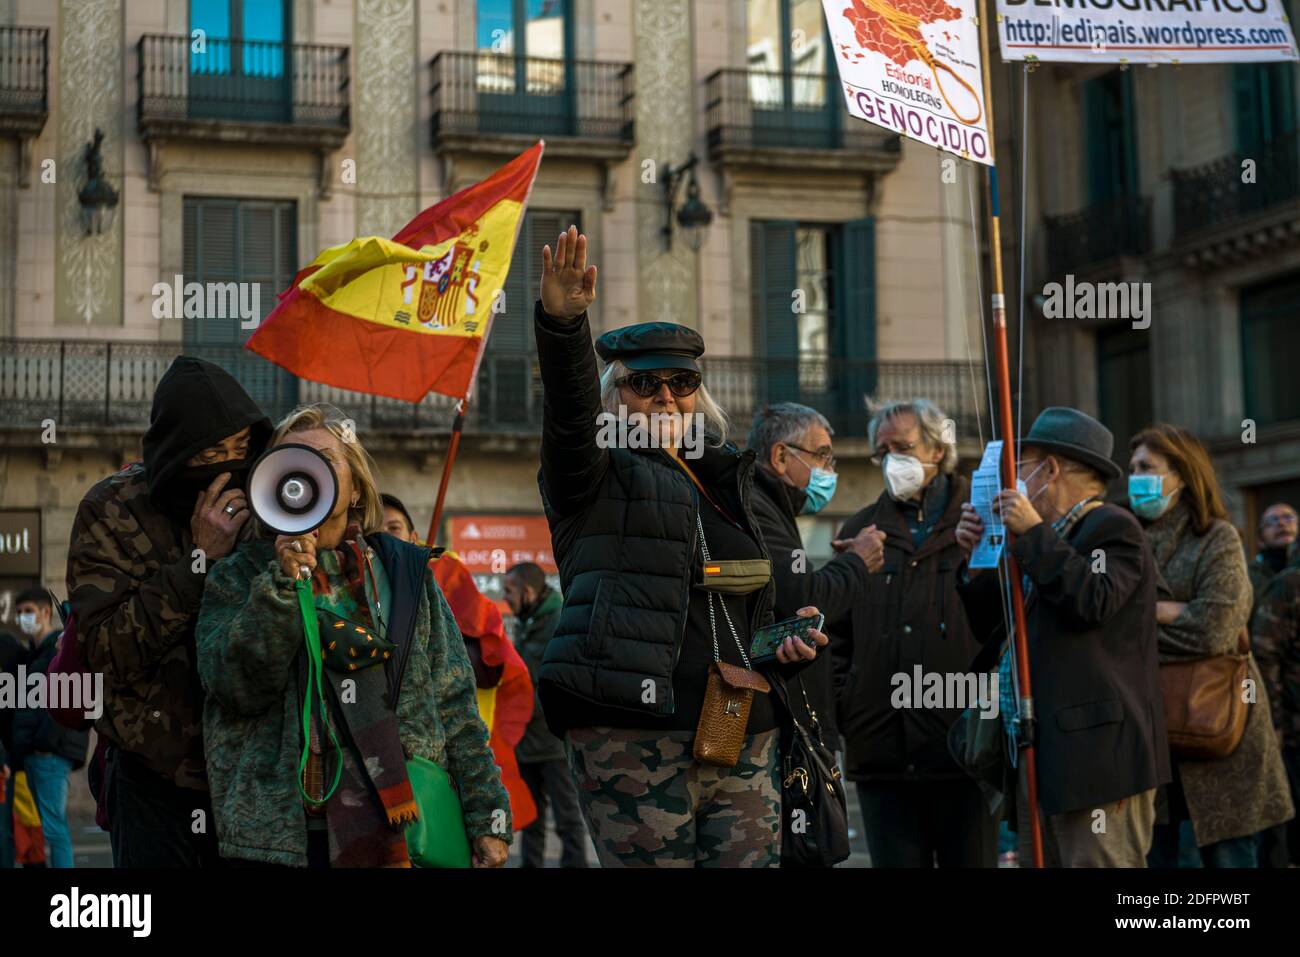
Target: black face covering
[[181, 493]]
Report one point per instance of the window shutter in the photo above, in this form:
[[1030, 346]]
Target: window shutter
[[1245, 89], [1128, 136], [854, 318], [241, 242], [212, 257], [1094, 117], [506, 390], [772, 281]]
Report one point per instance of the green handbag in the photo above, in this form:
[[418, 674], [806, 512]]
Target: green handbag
[[438, 838]]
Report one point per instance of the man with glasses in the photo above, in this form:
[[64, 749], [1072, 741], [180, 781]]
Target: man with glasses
[[1277, 535], [796, 476], [919, 808]]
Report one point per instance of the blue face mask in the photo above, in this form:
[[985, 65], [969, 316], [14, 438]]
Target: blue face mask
[[1145, 496], [821, 486]]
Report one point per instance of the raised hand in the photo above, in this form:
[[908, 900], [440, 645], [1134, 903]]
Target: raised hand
[[568, 283], [217, 518]]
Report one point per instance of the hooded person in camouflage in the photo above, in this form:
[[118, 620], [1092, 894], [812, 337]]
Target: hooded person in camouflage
[[142, 543]]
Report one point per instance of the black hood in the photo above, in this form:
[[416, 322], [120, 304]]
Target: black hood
[[196, 405]]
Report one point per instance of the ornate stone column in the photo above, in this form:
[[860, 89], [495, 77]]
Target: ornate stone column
[[665, 133]]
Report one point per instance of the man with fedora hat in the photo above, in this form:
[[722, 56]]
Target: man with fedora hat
[[1090, 605]]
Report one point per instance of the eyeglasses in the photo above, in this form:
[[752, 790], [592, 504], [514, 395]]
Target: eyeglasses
[[1271, 520], [897, 449], [646, 384], [828, 458]]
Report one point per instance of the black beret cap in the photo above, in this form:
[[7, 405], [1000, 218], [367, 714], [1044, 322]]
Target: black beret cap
[[652, 345]]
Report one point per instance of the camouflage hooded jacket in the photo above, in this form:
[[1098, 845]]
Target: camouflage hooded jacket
[[134, 583], [249, 638]]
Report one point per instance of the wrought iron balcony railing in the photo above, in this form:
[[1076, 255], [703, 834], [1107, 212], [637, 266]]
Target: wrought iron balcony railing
[[837, 388], [767, 109], [24, 78], [1098, 233], [1217, 193], [243, 81], [109, 385], [500, 94]]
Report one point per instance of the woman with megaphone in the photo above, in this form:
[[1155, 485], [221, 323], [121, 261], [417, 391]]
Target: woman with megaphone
[[341, 723]]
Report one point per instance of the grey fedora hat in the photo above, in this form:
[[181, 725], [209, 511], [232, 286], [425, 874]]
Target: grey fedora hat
[[1075, 435]]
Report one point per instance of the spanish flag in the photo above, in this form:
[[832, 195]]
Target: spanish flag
[[405, 316]]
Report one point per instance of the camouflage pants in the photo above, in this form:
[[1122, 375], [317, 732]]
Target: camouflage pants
[[649, 803]]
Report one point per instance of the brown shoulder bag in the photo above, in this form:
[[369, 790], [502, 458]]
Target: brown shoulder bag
[[1205, 712]]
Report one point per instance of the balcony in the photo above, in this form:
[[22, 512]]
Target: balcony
[[243, 92], [109, 385], [837, 388], [1220, 219], [1098, 237], [100, 386], [24, 89], [501, 104], [790, 121]]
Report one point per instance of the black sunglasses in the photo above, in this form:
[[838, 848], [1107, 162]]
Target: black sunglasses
[[646, 384]]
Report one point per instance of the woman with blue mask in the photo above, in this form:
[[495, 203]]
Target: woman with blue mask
[[1205, 600]]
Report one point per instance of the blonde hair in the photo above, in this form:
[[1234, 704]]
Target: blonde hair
[[715, 419], [369, 510]]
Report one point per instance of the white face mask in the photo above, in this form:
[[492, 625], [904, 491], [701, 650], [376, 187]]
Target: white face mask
[[904, 476], [1023, 488], [27, 622]]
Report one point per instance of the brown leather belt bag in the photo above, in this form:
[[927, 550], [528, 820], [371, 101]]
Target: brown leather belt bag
[[728, 697], [1205, 705]]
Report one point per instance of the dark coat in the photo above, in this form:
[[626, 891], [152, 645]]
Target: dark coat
[[535, 631], [831, 588], [14, 651], [909, 614], [1092, 657], [134, 585], [35, 731], [623, 527]]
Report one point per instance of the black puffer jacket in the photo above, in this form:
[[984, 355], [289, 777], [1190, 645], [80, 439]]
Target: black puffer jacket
[[623, 529], [35, 731]]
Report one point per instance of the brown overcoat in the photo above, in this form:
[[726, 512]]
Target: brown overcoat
[[1246, 792]]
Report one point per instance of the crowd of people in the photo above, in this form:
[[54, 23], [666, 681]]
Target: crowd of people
[[629, 704]]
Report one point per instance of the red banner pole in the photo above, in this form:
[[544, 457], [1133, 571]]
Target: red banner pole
[[452, 447], [1001, 367]]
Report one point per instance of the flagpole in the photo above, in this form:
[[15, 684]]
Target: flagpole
[[1002, 369], [453, 446]]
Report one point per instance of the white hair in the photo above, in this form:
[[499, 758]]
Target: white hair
[[937, 430], [715, 419]]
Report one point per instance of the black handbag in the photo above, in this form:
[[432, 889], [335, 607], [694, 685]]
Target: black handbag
[[815, 829]]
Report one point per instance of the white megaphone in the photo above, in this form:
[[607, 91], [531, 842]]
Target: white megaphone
[[292, 489]]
